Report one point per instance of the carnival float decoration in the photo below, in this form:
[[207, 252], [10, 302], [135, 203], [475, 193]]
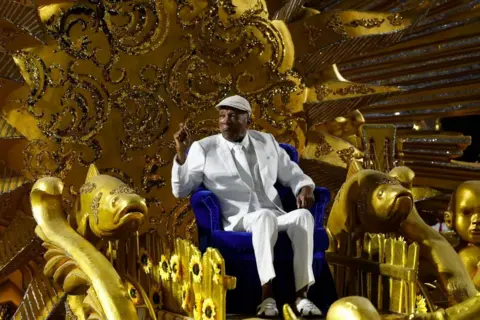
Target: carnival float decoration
[[91, 92]]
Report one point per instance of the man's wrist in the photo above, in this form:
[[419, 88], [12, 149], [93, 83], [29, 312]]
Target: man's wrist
[[180, 158], [307, 188]]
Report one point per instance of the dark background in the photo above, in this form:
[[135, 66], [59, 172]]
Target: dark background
[[469, 126]]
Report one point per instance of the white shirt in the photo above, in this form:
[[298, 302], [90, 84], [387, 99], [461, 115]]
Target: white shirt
[[259, 199]]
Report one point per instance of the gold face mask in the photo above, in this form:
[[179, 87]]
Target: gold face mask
[[463, 214]]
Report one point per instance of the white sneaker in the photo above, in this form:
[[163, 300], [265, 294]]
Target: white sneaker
[[306, 308], [268, 308]]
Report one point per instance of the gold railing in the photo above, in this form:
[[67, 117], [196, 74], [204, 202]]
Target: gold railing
[[381, 268], [197, 282]]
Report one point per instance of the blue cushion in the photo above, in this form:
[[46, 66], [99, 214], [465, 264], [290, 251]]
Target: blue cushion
[[235, 243]]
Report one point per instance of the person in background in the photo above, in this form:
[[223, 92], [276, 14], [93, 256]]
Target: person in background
[[241, 166]]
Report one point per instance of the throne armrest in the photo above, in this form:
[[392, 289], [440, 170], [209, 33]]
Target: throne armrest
[[206, 208], [322, 197]]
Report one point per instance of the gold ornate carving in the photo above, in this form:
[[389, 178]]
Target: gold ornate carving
[[366, 23], [346, 155], [395, 19], [379, 143], [336, 24], [354, 89], [123, 189], [323, 148], [323, 91], [87, 187], [95, 205], [314, 33], [114, 89]]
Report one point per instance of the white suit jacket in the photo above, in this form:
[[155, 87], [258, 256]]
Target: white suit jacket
[[211, 162]]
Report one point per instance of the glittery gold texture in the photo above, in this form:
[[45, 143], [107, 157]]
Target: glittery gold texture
[[115, 79]]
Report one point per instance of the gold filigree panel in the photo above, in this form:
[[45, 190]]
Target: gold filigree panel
[[115, 79]]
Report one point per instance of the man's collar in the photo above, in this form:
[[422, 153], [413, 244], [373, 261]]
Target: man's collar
[[245, 142]]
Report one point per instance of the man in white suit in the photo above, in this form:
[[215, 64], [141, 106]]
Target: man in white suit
[[240, 167]]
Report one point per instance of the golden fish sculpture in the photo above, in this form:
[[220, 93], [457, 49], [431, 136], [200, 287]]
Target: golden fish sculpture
[[106, 208]]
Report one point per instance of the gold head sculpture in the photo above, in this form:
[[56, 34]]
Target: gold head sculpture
[[352, 308], [348, 308], [106, 208], [404, 175], [463, 216], [369, 201]]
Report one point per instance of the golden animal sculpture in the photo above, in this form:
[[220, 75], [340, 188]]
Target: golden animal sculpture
[[380, 194], [106, 208], [369, 201], [390, 209], [463, 216]]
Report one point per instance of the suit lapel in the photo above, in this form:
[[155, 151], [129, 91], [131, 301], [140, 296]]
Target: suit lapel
[[261, 156]]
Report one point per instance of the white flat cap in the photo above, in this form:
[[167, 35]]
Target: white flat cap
[[236, 102]]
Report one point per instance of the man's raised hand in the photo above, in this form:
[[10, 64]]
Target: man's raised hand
[[182, 142]]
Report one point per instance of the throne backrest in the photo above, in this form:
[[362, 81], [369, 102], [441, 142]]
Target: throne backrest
[[289, 201]]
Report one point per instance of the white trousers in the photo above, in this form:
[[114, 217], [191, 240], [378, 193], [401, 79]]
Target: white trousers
[[264, 225]]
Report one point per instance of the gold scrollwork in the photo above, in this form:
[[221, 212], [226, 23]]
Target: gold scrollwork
[[395, 19], [233, 42], [346, 155], [335, 24], [324, 91], [95, 205], [147, 27], [41, 158], [123, 189], [191, 82], [369, 23], [87, 187], [109, 85], [323, 147], [145, 117], [314, 33], [354, 89]]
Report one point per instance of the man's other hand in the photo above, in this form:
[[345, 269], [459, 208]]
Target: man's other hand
[[305, 198], [182, 142]]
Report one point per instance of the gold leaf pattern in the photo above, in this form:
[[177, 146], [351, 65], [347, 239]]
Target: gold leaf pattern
[[369, 23]]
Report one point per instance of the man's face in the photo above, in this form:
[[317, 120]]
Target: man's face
[[233, 123]]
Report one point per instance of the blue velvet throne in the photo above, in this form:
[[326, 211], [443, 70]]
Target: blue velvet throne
[[237, 250]]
